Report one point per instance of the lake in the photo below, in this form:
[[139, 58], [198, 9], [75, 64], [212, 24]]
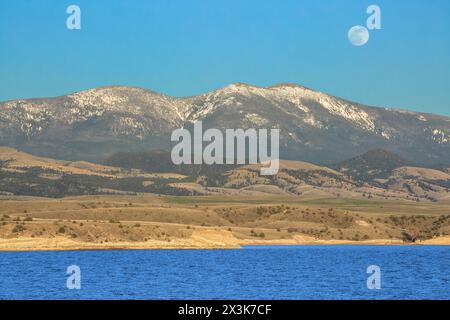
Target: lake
[[282, 272]]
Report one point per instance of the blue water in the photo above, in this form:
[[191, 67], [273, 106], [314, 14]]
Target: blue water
[[300, 272]]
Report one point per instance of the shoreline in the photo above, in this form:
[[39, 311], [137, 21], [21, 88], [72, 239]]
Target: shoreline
[[65, 244], [152, 223]]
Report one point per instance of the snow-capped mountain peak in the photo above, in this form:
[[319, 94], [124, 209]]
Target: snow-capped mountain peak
[[314, 126]]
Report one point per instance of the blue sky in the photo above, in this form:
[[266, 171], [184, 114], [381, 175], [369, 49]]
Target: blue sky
[[186, 47]]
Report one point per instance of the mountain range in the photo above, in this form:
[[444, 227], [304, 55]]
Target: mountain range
[[95, 124]]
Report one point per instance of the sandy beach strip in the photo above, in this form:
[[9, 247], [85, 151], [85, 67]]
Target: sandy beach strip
[[202, 239]]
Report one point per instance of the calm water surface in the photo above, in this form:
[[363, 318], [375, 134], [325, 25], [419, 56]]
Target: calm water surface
[[291, 272]]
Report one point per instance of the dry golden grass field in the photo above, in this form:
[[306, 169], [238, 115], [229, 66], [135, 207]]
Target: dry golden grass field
[[149, 221]]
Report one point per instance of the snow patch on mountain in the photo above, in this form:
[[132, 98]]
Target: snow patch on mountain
[[313, 122], [440, 136], [255, 119]]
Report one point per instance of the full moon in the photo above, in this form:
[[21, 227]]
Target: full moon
[[358, 35]]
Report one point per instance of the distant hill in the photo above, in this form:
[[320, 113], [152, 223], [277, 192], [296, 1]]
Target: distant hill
[[160, 161], [25, 174], [376, 163], [382, 176], [150, 161]]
